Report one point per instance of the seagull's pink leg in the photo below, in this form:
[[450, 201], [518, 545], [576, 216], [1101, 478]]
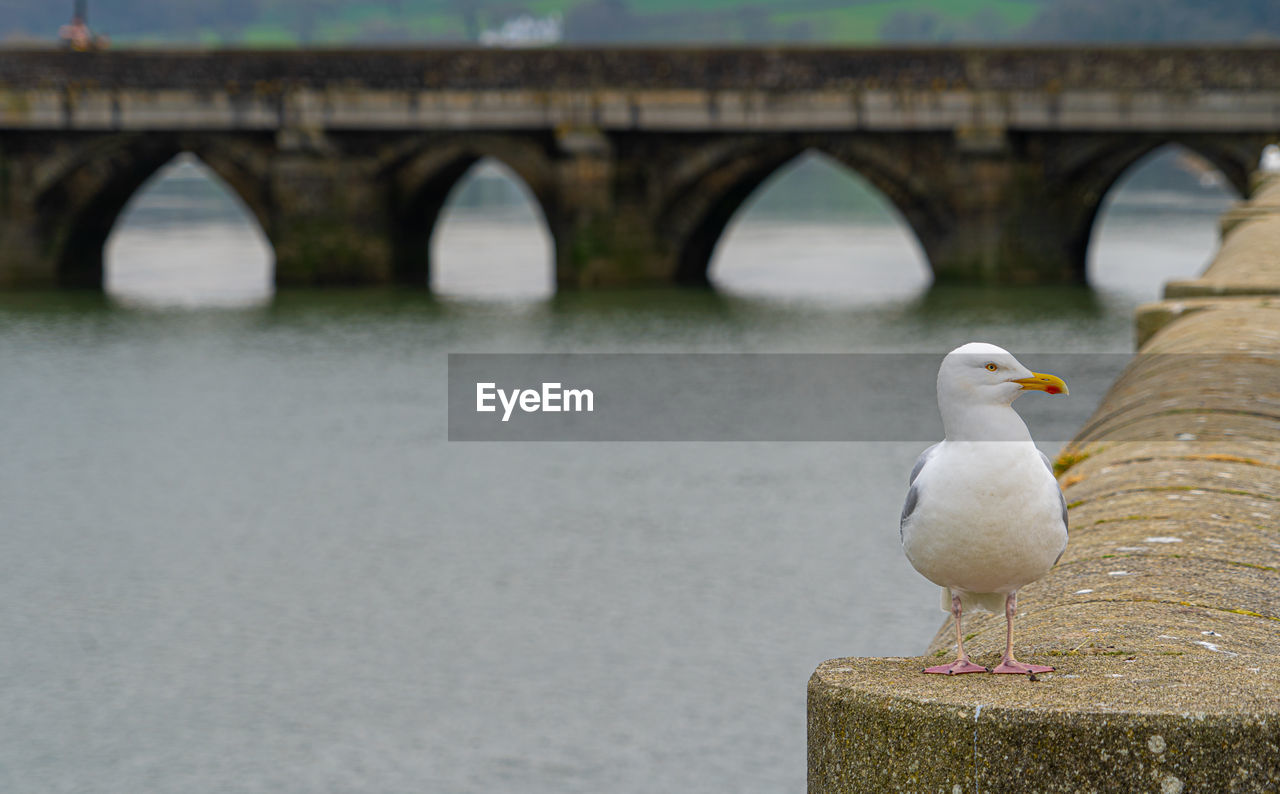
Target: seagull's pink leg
[[962, 663], [1008, 664]]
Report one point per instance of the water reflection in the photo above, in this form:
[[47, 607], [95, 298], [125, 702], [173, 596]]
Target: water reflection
[[185, 239], [1026, 304], [817, 232], [470, 259], [1171, 192]]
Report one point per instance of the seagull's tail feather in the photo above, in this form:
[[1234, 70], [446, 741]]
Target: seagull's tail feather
[[983, 602], [975, 602]]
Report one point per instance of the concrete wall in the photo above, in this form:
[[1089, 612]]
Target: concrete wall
[[1163, 616]]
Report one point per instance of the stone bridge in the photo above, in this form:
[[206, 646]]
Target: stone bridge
[[998, 158]]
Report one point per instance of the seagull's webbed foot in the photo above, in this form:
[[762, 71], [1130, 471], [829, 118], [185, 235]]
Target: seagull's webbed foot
[[1008, 664], [962, 663], [1011, 665], [957, 667]]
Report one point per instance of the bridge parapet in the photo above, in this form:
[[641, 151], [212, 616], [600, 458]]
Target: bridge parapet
[[1178, 68], [1138, 89]]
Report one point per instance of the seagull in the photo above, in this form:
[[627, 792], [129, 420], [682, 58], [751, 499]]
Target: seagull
[[984, 515]]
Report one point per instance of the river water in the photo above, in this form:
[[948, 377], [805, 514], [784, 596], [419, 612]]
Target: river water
[[239, 554]]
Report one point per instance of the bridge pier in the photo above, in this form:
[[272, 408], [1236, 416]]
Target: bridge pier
[[328, 222], [1008, 221], [24, 259], [605, 231]]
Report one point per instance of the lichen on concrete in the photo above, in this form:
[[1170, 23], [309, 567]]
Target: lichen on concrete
[[1102, 722]]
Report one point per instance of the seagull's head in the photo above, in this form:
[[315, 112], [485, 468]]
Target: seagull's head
[[980, 373]]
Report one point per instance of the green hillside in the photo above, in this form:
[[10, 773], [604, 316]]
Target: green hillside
[[288, 23], [585, 21]]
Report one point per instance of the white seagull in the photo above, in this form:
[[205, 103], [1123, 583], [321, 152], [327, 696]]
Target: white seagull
[[984, 515]]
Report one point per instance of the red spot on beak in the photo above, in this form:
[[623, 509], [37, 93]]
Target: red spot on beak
[[1053, 389]]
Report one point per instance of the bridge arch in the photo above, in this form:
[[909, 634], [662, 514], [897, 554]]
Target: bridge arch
[[1158, 221], [423, 174], [78, 201], [1089, 170], [706, 199], [816, 229], [185, 238]]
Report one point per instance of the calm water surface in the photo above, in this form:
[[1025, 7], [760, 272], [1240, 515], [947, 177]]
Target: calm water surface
[[238, 553]]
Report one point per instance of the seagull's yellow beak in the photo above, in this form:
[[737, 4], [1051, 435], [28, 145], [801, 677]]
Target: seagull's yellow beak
[[1041, 381]]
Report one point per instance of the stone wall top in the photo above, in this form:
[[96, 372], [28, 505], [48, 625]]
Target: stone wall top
[[1175, 68], [1162, 618]]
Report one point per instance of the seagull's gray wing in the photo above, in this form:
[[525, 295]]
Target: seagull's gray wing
[[913, 493], [1062, 500]]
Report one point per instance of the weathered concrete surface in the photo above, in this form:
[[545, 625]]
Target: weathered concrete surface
[[1099, 724], [1246, 262], [1162, 618], [1244, 268], [1151, 317], [997, 158]]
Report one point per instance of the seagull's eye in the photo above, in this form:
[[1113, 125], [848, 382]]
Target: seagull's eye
[[991, 366]]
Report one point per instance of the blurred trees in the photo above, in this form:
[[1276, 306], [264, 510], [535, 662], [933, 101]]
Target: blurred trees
[[22, 19], [157, 17], [614, 21], [929, 26], [915, 26], [1154, 20], [469, 10], [600, 22], [655, 21], [1099, 21]]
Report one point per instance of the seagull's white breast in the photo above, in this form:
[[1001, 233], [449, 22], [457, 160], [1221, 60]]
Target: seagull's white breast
[[988, 517]]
